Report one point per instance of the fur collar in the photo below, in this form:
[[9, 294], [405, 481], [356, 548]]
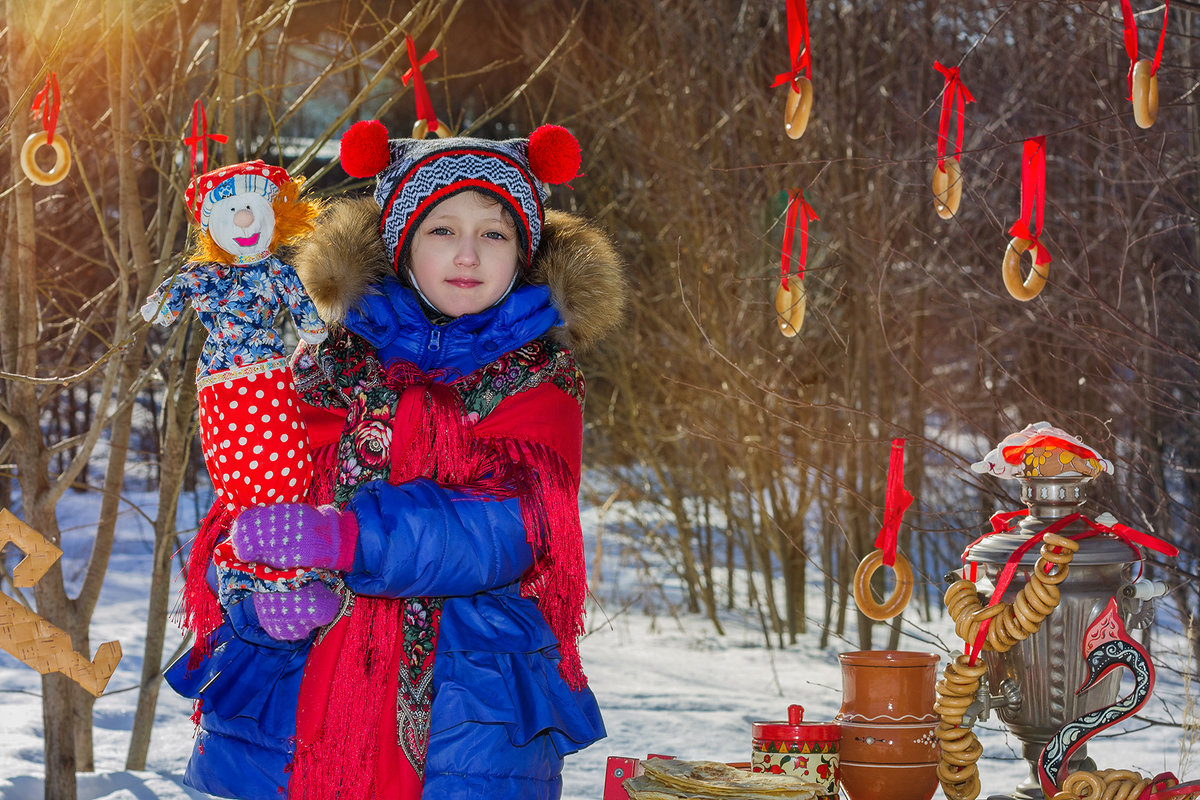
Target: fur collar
[[344, 258]]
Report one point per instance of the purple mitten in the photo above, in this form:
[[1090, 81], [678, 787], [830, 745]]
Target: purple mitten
[[290, 616], [289, 535]]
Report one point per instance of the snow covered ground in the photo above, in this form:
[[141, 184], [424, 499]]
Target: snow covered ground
[[666, 683]]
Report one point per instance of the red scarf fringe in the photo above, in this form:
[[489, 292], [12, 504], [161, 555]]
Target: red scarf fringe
[[558, 583], [201, 613], [341, 757]]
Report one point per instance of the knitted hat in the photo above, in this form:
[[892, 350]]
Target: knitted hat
[[413, 175], [249, 176]]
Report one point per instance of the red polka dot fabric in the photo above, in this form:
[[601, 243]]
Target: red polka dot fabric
[[254, 440]]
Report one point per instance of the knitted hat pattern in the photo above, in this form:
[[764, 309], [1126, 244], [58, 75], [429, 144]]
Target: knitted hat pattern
[[414, 175]]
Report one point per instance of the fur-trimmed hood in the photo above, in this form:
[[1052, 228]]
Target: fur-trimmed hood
[[345, 256]]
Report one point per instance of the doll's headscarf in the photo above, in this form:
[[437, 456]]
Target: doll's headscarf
[[249, 176]]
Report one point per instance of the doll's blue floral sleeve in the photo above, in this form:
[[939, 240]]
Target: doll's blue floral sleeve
[[172, 296], [304, 313]]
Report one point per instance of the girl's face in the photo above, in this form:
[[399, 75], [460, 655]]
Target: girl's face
[[464, 254]]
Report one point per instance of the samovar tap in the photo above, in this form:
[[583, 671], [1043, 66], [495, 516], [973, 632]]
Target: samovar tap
[[1009, 699]]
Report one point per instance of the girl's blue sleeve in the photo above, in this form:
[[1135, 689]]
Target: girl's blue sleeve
[[304, 312], [421, 540]]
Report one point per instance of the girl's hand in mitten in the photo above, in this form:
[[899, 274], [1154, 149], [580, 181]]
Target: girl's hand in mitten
[[291, 616], [296, 535]]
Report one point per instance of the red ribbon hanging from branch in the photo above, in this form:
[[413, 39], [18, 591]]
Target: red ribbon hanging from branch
[[420, 92], [895, 504], [1131, 39], [1033, 196], [797, 31], [197, 141], [45, 105], [954, 94], [798, 207]]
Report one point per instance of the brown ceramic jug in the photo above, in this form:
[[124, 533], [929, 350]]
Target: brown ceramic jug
[[887, 721]]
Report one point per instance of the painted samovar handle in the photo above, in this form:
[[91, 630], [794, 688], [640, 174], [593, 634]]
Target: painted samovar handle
[[1107, 646]]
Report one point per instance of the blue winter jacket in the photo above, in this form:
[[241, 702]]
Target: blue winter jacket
[[502, 716]]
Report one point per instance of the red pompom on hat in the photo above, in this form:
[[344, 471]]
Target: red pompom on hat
[[554, 154], [364, 149]]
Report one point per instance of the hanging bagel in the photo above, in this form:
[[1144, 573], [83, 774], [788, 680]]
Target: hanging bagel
[[62, 159], [901, 592], [798, 108], [947, 188], [1033, 284], [1145, 93], [790, 305], [421, 129]]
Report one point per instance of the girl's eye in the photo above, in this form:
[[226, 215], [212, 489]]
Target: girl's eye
[[497, 235], [439, 231]]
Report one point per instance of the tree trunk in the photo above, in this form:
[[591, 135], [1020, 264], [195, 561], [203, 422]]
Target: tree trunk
[[58, 709], [178, 411], [730, 573], [684, 536], [29, 453], [707, 557], [827, 559]]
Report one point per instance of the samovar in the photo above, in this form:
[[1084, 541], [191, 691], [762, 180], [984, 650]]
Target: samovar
[[1033, 686]]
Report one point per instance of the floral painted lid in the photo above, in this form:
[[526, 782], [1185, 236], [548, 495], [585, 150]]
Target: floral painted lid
[[1041, 450]]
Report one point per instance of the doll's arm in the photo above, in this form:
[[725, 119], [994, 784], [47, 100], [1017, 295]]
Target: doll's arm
[[168, 301], [304, 312]]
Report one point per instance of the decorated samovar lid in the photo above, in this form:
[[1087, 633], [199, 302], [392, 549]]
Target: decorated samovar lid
[[796, 729], [1041, 450], [1054, 469]]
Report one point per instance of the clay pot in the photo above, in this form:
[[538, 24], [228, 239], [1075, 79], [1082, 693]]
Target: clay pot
[[888, 750], [889, 781], [808, 750], [888, 687], [889, 744]]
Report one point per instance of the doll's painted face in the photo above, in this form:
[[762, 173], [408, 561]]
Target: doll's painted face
[[242, 225], [464, 254]]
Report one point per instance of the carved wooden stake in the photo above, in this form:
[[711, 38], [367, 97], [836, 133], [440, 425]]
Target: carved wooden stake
[[33, 640]]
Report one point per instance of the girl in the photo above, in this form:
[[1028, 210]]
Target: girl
[[445, 418]]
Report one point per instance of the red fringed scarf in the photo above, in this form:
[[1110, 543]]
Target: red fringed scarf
[[200, 612], [527, 448]]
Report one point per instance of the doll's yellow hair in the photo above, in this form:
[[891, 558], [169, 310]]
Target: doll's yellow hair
[[294, 219]]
